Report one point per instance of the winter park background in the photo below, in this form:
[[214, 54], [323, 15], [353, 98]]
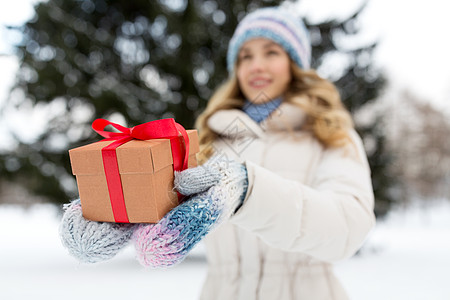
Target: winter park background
[[407, 256]]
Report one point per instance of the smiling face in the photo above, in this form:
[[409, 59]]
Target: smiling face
[[263, 67]]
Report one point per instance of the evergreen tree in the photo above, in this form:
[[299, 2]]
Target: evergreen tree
[[359, 84], [143, 60]]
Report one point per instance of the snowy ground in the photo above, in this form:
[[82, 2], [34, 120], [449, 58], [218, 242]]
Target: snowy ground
[[406, 257]]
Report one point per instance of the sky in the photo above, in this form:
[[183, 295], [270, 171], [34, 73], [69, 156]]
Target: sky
[[413, 41]]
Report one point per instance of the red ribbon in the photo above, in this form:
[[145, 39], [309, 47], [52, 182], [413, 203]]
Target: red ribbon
[[159, 129]]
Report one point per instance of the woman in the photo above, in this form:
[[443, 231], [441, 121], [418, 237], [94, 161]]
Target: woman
[[284, 175], [309, 200]]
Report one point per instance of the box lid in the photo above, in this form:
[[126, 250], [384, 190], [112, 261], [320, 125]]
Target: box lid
[[194, 147], [135, 156]]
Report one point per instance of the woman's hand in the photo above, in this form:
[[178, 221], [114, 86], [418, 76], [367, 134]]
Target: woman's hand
[[215, 190], [90, 241]]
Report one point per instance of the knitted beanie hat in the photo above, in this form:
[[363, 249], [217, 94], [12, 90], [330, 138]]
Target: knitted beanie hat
[[278, 25]]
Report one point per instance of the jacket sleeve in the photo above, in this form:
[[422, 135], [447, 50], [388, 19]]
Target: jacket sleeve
[[328, 220]]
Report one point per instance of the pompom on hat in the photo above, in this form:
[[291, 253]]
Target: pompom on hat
[[278, 25]]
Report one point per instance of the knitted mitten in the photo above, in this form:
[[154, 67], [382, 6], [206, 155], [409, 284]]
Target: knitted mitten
[[90, 241], [215, 191]]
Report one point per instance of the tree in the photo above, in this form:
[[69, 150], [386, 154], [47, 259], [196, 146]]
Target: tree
[[359, 83], [139, 61], [422, 153]]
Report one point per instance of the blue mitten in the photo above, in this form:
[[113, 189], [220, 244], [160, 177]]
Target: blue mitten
[[89, 241], [215, 190]]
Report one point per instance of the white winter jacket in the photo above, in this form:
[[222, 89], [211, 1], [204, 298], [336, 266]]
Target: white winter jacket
[[306, 207]]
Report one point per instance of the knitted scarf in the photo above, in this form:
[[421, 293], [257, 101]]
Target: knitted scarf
[[260, 112]]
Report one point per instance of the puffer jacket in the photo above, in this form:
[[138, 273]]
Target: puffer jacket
[[306, 207]]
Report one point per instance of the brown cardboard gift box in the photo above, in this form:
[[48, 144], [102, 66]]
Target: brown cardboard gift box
[[146, 172]]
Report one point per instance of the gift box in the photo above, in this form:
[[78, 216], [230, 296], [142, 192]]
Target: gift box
[[144, 183]]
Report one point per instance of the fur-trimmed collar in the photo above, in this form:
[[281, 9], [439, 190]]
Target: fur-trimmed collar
[[235, 122]]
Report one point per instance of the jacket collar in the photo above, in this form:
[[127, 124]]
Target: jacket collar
[[235, 122]]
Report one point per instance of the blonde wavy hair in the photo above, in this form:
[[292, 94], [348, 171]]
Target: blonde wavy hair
[[327, 118]]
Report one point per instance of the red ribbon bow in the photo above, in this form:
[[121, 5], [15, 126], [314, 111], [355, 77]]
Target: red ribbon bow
[[159, 129]]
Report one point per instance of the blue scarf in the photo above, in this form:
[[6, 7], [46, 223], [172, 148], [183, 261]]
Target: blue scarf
[[260, 112]]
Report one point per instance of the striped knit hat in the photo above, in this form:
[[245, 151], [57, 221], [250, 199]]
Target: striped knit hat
[[278, 25]]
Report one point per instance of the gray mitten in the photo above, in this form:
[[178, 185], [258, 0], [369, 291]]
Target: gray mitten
[[89, 241], [226, 178]]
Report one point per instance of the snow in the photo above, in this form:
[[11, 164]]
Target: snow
[[407, 256]]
